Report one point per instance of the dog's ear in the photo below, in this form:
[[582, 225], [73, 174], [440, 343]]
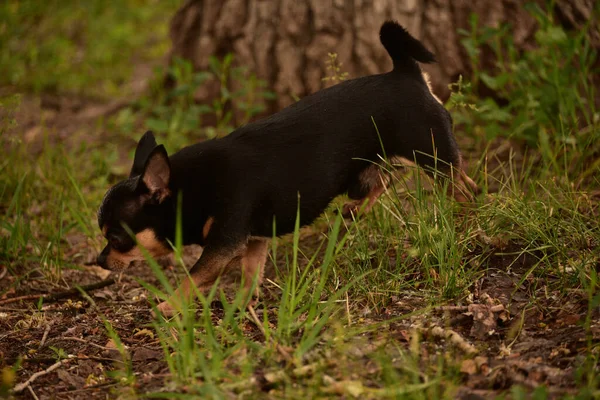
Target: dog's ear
[[157, 173], [144, 147]]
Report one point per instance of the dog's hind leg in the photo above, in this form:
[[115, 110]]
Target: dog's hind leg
[[372, 182], [451, 166], [462, 187]]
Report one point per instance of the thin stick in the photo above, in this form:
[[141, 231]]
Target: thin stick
[[47, 298], [348, 309], [76, 339], [22, 386], [45, 336], [454, 338], [258, 324], [451, 308], [32, 392], [44, 360]]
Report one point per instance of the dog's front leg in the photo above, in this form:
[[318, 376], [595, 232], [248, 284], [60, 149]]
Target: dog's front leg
[[253, 266], [203, 275]]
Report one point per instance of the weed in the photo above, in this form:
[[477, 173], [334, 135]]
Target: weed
[[550, 100], [78, 46], [334, 67], [176, 114]]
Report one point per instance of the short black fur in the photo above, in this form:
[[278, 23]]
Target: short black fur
[[310, 152]]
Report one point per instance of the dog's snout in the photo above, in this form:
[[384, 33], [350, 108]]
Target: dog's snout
[[101, 260]]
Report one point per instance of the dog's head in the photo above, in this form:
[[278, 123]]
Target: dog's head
[[138, 212]]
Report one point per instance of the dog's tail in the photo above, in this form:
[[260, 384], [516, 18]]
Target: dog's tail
[[401, 46]]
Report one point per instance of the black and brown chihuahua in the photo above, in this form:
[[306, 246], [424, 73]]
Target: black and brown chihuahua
[[236, 190]]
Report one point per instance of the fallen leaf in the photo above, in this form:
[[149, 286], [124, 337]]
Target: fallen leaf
[[72, 380], [144, 354], [468, 367], [98, 271], [353, 388], [484, 318], [482, 365], [112, 351], [570, 319], [144, 332], [104, 294]]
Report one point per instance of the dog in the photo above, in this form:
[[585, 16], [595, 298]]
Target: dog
[[241, 190]]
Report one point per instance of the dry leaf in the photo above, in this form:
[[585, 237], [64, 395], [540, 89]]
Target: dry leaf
[[143, 332], [98, 271], [468, 367], [144, 354]]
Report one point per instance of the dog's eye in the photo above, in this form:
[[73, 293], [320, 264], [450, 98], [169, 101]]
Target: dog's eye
[[115, 242]]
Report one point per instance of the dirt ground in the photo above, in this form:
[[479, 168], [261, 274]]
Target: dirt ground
[[546, 336]]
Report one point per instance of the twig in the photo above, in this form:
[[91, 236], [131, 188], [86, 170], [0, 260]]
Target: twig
[[453, 337], [348, 309], [45, 336], [47, 298], [94, 387], [258, 324], [3, 271], [32, 392], [22, 386], [305, 370], [45, 360], [240, 386], [76, 339], [275, 377], [450, 308], [492, 308]]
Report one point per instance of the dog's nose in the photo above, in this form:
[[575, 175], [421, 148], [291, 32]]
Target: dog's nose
[[101, 260]]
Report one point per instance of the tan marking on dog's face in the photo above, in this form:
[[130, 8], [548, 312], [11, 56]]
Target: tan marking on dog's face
[[104, 230], [146, 239], [207, 225]]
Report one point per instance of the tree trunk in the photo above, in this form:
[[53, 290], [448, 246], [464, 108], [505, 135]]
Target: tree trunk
[[286, 42]]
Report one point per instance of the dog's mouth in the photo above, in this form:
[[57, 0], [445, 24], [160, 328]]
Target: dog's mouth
[[116, 262], [112, 260]]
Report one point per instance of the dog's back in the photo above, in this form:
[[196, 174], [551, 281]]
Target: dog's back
[[317, 147]]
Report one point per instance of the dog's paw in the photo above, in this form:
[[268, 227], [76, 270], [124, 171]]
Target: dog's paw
[[350, 210], [253, 301]]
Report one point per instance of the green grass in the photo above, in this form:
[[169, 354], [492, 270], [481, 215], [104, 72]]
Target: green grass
[[329, 304], [85, 47]]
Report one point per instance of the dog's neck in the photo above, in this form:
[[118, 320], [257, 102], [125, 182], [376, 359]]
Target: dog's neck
[[186, 202]]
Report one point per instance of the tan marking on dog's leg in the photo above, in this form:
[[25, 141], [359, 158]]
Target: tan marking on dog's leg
[[373, 180], [461, 187], [203, 275], [253, 264], [207, 226]]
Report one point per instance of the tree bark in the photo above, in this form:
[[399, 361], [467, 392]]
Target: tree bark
[[286, 42]]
